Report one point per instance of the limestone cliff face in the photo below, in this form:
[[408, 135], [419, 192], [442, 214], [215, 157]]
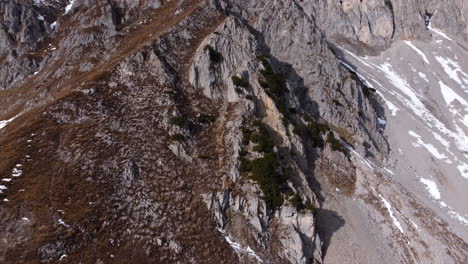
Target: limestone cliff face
[[193, 131]]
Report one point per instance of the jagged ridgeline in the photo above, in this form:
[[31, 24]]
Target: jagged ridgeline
[[215, 131]]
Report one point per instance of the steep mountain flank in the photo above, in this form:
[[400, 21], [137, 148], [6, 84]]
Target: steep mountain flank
[[209, 131]]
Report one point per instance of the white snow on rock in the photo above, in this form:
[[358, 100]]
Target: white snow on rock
[[7, 180], [4, 123], [458, 217], [61, 222], [463, 168], [2, 188], [438, 32], [431, 187], [413, 102], [391, 106], [238, 246], [418, 51], [450, 95], [423, 76], [433, 150], [390, 212], [361, 78], [16, 172], [452, 69], [69, 6]]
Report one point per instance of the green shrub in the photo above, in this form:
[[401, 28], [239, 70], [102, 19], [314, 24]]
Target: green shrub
[[316, 130], [238, 90], [274, 82], [204, 157], [310, 207], [369, 91], [243, 153], [249, 97], [246, 134], [206, 118], [334, 143], [178, 137], [257, 123], [336, 102], [215, 56], [178, 121], [307, 117], [239, 82], [265, 175], [245, 165], [296, 201], [262, 139], [296, 129]]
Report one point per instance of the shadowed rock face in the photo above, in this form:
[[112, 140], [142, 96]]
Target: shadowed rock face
[[209, 131]]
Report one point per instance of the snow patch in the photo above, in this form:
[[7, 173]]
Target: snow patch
[[448, 64], [433, 150], [361, 78], [238, 246], [431, 187], [61, 222], [463, 168], [390, 212], [438, 32], [450, 95], [457, 216], [418, 51], [16, 172], [69, 6], [423, 76], [6, 122], [392, 107]]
